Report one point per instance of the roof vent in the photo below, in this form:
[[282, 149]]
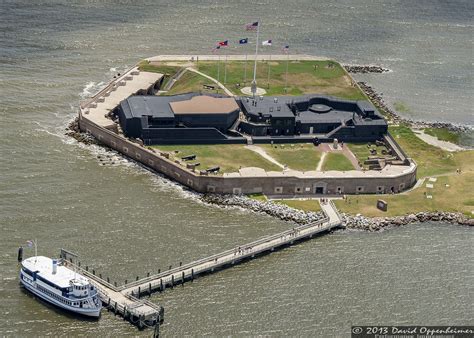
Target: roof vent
[[270, 109], [261, 98], [275, 99], [278, 108]]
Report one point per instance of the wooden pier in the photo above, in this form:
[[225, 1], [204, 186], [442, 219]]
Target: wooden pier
[[125, 299]]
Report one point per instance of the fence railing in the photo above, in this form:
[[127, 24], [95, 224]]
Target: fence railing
[[225, 253]]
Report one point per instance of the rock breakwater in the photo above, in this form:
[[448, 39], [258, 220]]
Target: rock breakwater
[[364, 69], [73, 131], [379, 102], [277, 210], [379, 223]]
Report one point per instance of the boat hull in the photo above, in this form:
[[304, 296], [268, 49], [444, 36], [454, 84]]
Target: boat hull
[[93, 313]]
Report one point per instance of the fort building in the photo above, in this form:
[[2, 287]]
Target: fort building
[[194, 118]]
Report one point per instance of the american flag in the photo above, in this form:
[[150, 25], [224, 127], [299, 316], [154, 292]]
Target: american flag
[[251, 26], [286, 49], [29, 243], [223, 43], [267, 43]]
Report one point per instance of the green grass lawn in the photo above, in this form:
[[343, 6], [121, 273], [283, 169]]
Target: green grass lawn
[[443, 134], [229, 157], [191, 82], [165, 69], [456, 197], [304, 77], [303, 157], [431, 160], [258, 197], [306, 205], [336, 161]]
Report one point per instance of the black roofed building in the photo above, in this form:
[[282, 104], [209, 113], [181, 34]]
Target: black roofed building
[[208, 118], [187, 118], [312, 116]]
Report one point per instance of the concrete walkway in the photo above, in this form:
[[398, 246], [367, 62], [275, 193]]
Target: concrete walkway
[[264, 154], [448, 146], [330, 210], [227, 91]]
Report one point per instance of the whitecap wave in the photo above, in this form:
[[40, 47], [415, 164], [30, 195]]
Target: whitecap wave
[[91, 88]]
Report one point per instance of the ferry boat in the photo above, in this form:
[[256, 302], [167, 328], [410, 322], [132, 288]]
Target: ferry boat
[[55, 283]]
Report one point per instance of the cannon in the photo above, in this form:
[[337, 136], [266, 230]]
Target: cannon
[[213, 169], [189, 157]]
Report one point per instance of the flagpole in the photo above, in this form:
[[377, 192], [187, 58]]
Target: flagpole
[[245, 69], [36, 249], [269, 61], [286, 77], [218, 66], [254, 82], [225, 67]]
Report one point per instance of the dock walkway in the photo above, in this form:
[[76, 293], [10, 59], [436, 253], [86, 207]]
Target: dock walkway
[[125, 300]]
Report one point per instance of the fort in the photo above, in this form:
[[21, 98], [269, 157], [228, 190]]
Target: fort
[[129, 117], [319, 137]]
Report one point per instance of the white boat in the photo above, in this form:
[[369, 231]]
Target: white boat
[[50, 280]]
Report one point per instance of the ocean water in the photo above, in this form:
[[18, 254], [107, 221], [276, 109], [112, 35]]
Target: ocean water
[[125, 221]]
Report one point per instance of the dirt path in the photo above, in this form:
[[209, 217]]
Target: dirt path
[[448, 146], [327, 148], [321, 161], [227, 91], [264, 154]]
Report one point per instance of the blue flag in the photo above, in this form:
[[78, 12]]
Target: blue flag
[[243, 41]]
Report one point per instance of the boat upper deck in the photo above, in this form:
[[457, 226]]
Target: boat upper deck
[[44, 268]]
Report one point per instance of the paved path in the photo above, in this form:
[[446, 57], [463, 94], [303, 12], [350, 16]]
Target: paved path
[[264, 154], [448, 146], [227, 91]]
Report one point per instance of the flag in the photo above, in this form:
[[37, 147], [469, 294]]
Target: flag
[[267, 43], [286, 49], [244, 41], [216, 48], [223, 43], [251, 26], [29, 243]]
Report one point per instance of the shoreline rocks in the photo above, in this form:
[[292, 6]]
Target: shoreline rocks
[[364, 69], [73, 131], [379, 102], [277, 210], [378, 223]]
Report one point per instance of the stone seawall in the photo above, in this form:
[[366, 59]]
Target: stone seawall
[[301, 217], [379, 223], [280, 211], [270, 185]]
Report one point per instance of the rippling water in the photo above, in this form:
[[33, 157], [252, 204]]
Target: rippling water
[[125, 221]]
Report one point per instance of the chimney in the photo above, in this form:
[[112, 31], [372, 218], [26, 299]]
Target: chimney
[[55, 266]]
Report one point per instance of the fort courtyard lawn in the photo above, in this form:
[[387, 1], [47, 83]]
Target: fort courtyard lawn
[[228, 157], [304, 77], [302, 157]]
